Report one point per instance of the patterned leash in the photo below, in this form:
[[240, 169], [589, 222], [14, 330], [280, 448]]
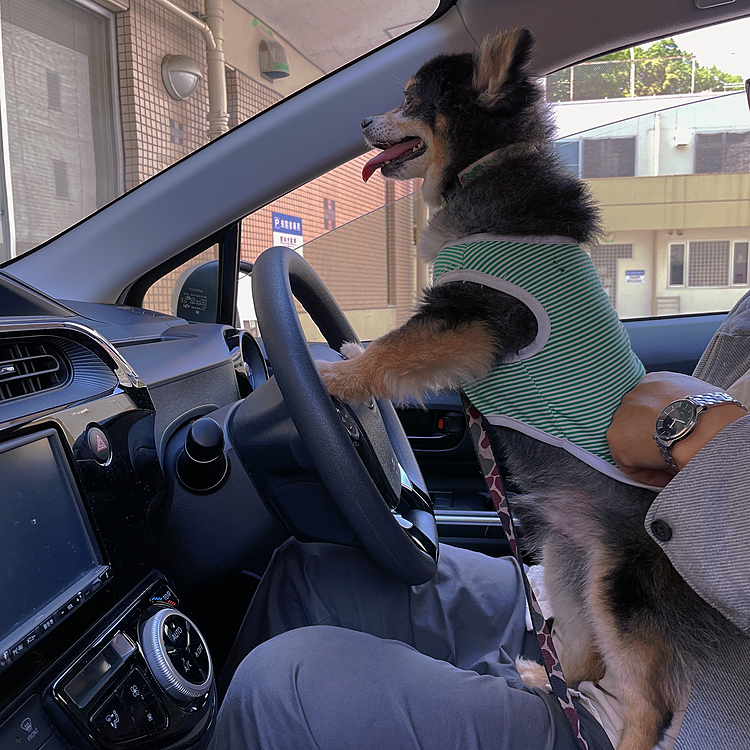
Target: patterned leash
[[497, 493]]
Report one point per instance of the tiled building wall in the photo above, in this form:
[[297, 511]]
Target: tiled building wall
[[354, 263], [158, 131]]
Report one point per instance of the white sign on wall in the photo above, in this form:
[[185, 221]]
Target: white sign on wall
[[635, 277], [287, 231]]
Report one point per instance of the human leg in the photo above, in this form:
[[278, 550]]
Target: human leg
[[333, 688], [472, 614]]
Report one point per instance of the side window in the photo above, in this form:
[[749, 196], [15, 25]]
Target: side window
[[360, 238], [662, 134]]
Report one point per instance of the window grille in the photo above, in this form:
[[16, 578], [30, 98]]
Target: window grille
[[605, 259], [708, 263], [608, 157], [722, 152]]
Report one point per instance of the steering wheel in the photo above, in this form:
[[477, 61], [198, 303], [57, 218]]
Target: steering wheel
[[360, 452]]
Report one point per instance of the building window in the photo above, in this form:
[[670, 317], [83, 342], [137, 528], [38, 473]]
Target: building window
[[608, 157], [708, 263], [59, 55], [605, 259], [329, 213], [677, 264], [176, 132], [722, 152], [570, 155], [60, 171], [54, 95], [739, 263]]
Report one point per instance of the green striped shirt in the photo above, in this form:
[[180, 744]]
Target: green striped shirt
[[564, 387]]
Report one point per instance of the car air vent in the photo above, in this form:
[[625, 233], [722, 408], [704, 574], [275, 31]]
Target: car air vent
[[28, 367]]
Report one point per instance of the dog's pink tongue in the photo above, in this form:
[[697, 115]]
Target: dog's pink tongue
[[390, 153]]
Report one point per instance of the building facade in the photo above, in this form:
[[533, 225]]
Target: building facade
[[87, 116], [672, 174]]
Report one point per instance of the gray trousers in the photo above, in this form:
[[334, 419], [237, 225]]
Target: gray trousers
[[388, 666]]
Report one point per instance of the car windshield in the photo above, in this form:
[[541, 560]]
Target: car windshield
[[97, 96]]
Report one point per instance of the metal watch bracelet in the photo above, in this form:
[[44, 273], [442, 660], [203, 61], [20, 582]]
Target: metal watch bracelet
[[703, 401]]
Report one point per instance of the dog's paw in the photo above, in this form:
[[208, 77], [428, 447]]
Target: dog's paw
[[533, 674], [351, 350], [343, 381]]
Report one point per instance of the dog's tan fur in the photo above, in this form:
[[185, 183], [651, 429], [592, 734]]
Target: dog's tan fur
[[409, 361], [642, 663], [495, 56]]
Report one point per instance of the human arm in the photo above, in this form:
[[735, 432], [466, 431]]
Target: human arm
[[630, 434], [700, 519]]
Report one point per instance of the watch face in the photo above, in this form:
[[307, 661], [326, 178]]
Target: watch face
[[676, 420]]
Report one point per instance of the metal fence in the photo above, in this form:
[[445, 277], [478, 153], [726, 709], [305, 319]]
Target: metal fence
[[614, 79]]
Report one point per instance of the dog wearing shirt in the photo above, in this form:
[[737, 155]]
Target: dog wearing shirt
[[517, 317]]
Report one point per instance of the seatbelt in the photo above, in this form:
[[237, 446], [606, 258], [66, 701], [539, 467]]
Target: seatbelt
[[488, 465]]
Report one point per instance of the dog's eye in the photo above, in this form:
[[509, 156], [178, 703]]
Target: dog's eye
[[408, 98]]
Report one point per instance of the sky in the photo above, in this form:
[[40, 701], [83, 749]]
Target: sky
[[727, 46]]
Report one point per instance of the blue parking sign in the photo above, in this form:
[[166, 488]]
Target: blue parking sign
[[285, 223]]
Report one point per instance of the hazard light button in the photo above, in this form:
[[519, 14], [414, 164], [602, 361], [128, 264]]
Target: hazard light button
[[99, 445]]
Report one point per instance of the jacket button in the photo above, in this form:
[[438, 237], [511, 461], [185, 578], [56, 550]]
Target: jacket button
[[661, 530]]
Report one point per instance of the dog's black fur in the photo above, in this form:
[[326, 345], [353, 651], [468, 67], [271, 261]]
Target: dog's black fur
[[616, 596]]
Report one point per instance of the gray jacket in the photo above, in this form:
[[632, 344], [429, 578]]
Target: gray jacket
[[705, 505]]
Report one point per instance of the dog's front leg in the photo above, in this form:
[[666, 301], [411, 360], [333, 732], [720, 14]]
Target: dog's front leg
[[424, 355]]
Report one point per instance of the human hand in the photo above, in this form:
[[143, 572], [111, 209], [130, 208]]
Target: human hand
[[631, 432]]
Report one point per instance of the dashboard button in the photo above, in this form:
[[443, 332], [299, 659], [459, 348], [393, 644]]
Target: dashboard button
[[114, 720], [177, 655], [99, 445], [47, 624], [137, 696], [28, 727], [176, 631], [65, 610]]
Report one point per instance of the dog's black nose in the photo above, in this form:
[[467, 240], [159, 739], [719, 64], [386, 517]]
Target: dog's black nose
[[366, 122]]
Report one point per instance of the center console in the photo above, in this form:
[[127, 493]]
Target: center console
[[97, 650], [147, 677]]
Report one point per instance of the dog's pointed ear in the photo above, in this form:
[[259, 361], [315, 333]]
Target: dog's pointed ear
[[500, 62]]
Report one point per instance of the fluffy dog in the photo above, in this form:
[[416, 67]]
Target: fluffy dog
[[475, 129]]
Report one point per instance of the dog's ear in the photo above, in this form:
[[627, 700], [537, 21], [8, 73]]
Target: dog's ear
[[500, 63]]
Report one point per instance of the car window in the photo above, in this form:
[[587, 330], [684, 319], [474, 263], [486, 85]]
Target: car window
[[661, 133], [360, 238], [97, 96]]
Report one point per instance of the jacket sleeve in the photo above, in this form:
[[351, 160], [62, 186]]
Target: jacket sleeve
[[707, 516]]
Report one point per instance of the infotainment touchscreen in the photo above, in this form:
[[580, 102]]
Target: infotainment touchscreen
[[48, 555]]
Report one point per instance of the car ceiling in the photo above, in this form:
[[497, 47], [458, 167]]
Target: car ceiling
[[318, 129]]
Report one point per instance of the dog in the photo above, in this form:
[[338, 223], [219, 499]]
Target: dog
[[475, 129]]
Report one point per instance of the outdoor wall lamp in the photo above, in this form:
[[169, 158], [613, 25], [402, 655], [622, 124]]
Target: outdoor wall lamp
[[181, 75]]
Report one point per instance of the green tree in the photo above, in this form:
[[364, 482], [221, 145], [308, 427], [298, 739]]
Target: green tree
[[660, 68]]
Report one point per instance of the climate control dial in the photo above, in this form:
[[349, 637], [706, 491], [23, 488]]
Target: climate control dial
[[177, 655]]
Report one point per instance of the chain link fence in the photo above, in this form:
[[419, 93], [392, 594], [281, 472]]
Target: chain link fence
[[614, 79]]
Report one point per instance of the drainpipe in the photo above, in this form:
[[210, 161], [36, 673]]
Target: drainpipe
[[218, 117], [212, 30]]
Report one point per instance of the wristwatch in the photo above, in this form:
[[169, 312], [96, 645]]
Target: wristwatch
[[678, 420]]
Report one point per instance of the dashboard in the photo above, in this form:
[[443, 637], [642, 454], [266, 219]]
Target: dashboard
[[105, 524]]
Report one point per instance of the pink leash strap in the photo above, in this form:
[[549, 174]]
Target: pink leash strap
[[495, 485]]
